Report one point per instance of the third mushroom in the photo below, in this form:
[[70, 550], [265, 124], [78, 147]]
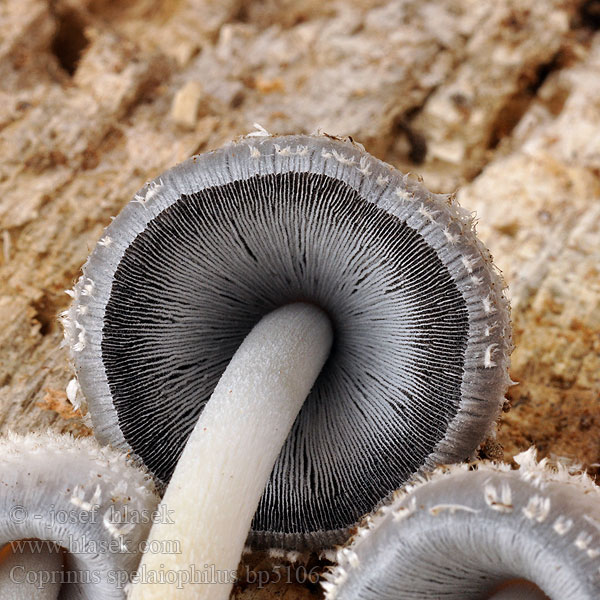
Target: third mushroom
[[479, 531], [284, 330]]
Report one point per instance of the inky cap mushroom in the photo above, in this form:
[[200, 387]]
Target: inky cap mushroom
[[68, 503], [418, 364], [489, 533]]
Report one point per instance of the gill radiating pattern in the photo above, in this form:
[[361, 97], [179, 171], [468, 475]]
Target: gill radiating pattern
[[220, 259]]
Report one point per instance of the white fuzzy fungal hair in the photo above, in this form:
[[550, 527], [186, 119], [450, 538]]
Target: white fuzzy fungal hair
[[91, 501], [418, 369], [467, 532]]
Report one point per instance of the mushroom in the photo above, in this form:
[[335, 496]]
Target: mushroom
[[67, 502], [479, 532], [292, 236]]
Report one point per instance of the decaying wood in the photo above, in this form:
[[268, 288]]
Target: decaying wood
[[498, 97]]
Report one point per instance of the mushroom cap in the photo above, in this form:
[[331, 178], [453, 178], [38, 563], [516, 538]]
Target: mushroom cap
[[418, 369], [463, 533], [91, 501]]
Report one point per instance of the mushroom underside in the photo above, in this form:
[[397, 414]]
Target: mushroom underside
[[476, 535], [206, 269], [67, 497]]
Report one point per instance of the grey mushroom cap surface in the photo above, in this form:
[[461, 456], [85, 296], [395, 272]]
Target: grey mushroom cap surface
[[90, 501], [418, 368], [486, 533]]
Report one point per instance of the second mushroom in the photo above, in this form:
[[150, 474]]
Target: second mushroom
[[311, 325]]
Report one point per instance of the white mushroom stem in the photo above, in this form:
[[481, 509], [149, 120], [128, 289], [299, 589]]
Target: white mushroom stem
[[229, 456], [30, 573]]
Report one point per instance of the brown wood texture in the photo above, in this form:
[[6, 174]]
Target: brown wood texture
[[499, 99]]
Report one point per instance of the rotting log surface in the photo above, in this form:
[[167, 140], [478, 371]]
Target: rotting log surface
[[499, 98]]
